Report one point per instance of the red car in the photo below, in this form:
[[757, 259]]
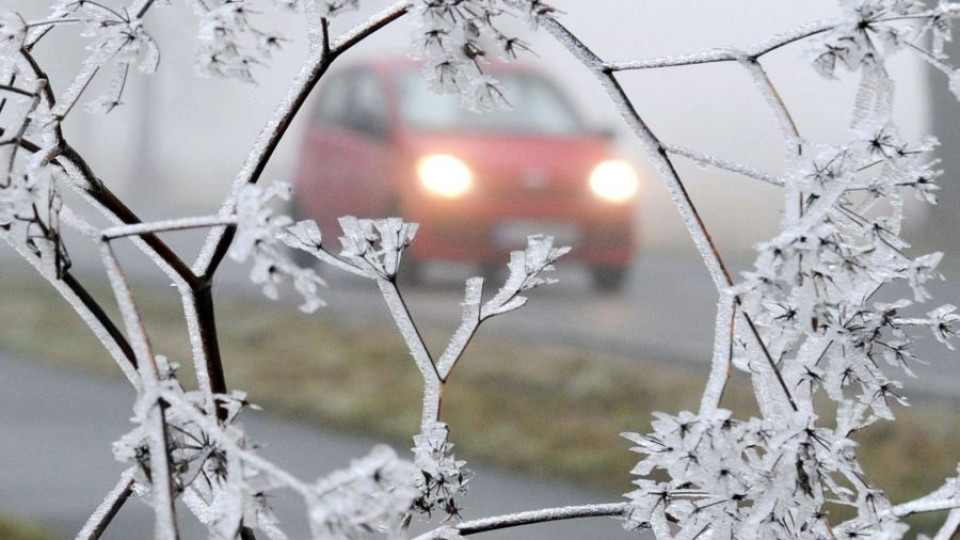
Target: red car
[[380, 143]]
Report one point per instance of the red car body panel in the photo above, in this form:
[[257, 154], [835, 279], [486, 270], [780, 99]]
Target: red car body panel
[[521, 183]]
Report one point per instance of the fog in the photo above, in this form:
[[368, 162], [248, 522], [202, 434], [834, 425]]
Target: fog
[[180, 138]]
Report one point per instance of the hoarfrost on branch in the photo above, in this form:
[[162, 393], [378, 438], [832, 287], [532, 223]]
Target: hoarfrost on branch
[[804, 321]]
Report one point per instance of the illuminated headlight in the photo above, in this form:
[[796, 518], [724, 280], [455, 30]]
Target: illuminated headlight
[[444, 175], [614, 181]]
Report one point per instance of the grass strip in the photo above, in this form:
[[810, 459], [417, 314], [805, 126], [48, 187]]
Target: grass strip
[[13, 528], [540, 408]]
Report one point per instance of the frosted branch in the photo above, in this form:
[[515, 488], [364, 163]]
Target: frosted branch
[[153, 415], [788, 127], [104, 514], [470, 321], [723, 164], [722, 363], [182, 224], [408, 330], [529, 518], [950, 526], [217, 242], [655, 150]]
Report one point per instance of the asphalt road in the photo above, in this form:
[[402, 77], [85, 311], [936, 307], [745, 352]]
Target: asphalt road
[[56, 465], [665, 313]]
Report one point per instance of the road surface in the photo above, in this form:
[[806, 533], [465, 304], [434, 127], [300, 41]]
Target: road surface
[[57, 426]]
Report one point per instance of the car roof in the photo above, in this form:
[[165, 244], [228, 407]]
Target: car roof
[[405, 63]]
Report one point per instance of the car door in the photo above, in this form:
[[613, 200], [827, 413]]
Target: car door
[[367, 149], [346, 151]]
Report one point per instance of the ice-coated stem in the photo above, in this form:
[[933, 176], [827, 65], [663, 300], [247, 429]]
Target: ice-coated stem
[[722, 361], [432, 381], [519, 519], [723, 164], [469, 322], [788, 127], [218, 241], [183, 224], [198, 306], [154, 420], [696, 228], [950, 526], [104, 200], [756, 51], [90, 312], [657, 152], [104, 514], [408, 329]]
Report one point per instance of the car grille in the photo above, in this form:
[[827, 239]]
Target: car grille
[[554, 190]]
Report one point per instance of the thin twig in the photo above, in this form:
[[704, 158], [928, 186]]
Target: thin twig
[[164, 488], [217, 243], [950, 526], [141, 229], [112, 503], [722, 362], [408, 329], [696, 228], [90, 312], [655, 149], [532, 517], [720, 163]]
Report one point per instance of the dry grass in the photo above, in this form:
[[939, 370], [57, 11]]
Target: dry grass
[[548, 410], [12, 528]]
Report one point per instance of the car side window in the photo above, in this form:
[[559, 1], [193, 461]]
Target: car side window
[[367, 112], [334, 102]]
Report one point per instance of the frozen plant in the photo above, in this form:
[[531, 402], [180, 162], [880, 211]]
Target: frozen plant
[[804, 321]]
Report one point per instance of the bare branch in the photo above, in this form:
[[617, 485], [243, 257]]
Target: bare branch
[[114, 501], [529, 518]]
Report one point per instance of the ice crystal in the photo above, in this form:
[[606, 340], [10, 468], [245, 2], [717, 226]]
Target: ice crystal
[[804, 320], [455, 39], [442, 477], [374, 495], [259, 236], [13, 32], [376, 246]]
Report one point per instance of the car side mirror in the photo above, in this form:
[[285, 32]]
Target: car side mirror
[[606, 132]]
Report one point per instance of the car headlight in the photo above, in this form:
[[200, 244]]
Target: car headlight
[[614, 181], [444, 175]]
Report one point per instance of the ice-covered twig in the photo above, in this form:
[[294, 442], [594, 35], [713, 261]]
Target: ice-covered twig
[[793, 143], [408, 329], [655, 149], [218, 241], [528, 518], [140, 229], [720, 163], [104, 514], [153, 414], [950, 526], [722, 363], [469, 322], [89, 311], [85, 181], [755, 51]]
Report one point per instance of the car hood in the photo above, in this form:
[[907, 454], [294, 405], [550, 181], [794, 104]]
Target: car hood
[[516, 160]]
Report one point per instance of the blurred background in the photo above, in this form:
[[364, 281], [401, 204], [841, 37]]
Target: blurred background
[[605, 358]]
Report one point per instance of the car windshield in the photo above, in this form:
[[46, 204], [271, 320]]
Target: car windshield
[[537, 107]]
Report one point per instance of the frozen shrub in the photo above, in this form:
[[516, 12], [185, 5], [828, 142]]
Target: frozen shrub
[[802, 322]]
